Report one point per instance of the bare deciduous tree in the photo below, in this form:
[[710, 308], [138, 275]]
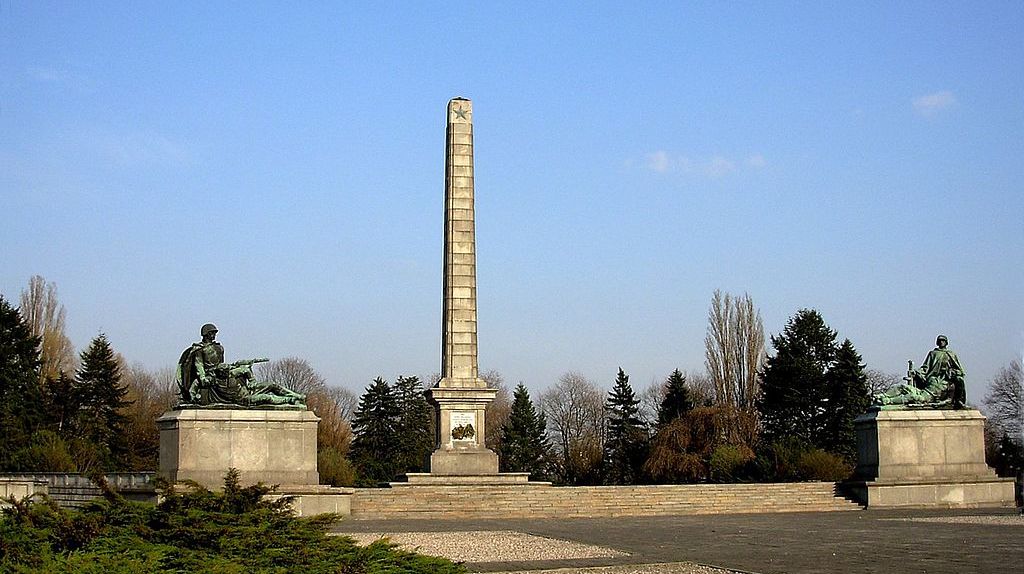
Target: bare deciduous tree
[[44, 315], [346, 400], [335, 407], [879, 381], [702, 388], [650, 400], [1004, 402], [293, 373], [734, 354], [150, 395], [574, 408], [497, 411]]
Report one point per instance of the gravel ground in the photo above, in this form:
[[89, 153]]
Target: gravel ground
[[510, 546], [1005, 520], [668, 568], [489, 546]]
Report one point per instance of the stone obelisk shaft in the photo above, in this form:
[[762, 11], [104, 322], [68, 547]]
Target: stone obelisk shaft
[[460, 398], [458, 341]]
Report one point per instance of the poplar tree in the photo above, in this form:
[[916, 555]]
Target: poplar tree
[[524, 443], [677, 401], [625, 447]]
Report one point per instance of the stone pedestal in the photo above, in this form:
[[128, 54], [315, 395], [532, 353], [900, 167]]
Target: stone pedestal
[[925, 458], [461, 451], [269, 446]]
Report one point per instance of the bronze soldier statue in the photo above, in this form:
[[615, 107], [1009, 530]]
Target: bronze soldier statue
[[938, 383], [204, 379]]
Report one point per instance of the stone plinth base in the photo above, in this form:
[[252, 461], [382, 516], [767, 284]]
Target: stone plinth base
[[980, 493], [925, 458], [269, 446], [502, 478], [310, 500], [455, 462]]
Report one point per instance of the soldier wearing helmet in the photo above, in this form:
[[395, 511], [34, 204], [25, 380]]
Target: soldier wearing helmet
[[205, 379], [209, 354], [195, 368], [939, 382]]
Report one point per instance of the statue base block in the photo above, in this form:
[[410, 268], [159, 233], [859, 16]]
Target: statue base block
[[448, 462], [925, 459], [269, 446]]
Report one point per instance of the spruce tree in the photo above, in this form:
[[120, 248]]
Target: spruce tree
[[62, 404], [677, 400], [524, 443], [794, 388], [414, 433], [21, 399], [100, 397], [625, 447], [375, 448], [849, 397]]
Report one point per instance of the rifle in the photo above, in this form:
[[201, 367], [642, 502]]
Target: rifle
[[249, 362]]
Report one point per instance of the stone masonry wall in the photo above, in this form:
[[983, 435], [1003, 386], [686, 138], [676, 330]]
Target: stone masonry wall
[[441, 502]]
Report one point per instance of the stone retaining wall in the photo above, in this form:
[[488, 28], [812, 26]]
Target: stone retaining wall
[[440, 502], [74, 490], [20, 488]]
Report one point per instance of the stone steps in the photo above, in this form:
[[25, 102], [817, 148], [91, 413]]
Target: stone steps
[[439, 502]]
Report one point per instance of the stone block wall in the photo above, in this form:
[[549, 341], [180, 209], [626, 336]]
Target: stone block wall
[[448, 502]]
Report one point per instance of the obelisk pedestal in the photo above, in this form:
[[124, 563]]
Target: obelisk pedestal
[[460, 398]]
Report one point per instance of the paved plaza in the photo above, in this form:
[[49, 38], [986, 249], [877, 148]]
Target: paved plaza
[[870, 541]]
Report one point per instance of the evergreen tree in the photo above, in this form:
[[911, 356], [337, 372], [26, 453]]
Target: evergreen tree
[[677, 400], [61, 404], [524, 442], [100, 397], [813, 389], [375, 449], [849, 398], [625, 447], [414, 433], [794, 388], [21, 399]]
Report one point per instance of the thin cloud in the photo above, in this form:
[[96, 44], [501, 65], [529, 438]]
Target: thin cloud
[[930, 104], [712, 167], [49, 75], [719, 166], [141, 149], [658, 161]]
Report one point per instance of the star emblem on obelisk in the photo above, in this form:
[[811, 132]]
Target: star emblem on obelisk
[[460, 113]]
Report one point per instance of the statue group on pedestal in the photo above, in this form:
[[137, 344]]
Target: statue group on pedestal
[[936, 384], [205, 380]]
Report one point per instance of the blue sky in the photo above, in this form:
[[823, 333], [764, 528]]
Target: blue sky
[[277, 170]]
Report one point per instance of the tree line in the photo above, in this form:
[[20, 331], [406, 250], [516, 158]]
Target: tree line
[[749, 416]]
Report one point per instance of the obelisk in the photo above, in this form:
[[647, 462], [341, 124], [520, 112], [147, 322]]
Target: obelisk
[[460, 397]]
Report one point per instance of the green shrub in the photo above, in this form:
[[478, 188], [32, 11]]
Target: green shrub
[[234, 531], [817, 464], [778, 460], [335, 469], [791, 459], [727, 462], [46, 452]]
